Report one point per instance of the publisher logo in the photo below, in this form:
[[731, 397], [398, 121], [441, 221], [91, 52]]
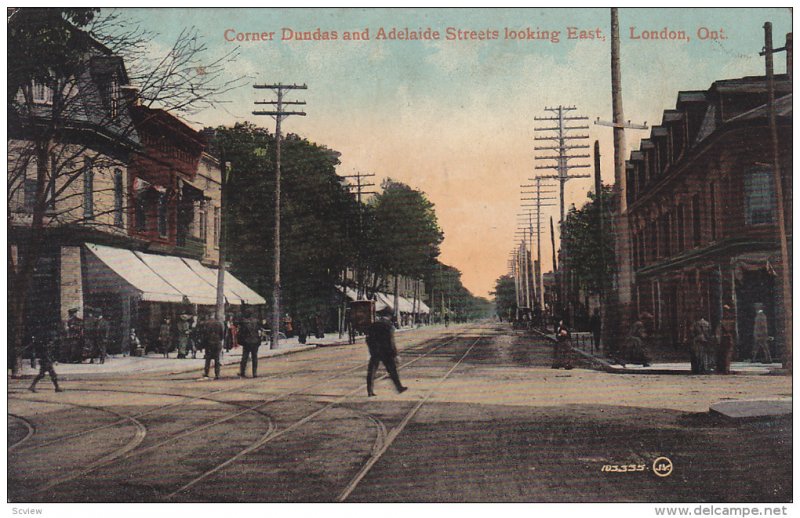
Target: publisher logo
[[662, 467]]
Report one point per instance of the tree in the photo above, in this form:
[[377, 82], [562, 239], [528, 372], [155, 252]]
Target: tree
[[588, 253], [317, 230], [68, 119], [505, 298], [448, 293], [403, 236]]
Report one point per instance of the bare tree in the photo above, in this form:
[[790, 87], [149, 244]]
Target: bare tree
[[69, 108]]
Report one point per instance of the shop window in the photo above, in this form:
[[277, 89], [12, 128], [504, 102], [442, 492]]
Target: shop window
[[140, 214], [759, 196]]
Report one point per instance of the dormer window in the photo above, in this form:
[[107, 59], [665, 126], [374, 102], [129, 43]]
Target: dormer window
[[42, 93]]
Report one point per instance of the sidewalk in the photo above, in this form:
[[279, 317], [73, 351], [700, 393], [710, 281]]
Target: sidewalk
[[155, 362], [598, 361]]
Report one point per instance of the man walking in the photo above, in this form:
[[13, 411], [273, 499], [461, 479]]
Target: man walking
[[596, 326], [249, 340], [382, 348], [44, 343], [210, 334]]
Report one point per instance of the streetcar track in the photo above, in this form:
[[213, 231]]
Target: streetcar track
[[31, 429], [271, 434], [390, 438], [293, 426], [136, 440]]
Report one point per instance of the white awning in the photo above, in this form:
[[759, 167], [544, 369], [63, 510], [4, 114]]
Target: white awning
[[134, 272], [164, 278], [178, 274], [236, 291]]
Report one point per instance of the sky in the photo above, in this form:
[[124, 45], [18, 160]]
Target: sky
[[455, 118]]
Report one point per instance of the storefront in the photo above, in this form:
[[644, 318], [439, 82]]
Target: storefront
[[137, 289]]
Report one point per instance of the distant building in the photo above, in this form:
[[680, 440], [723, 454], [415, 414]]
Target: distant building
[[701, 203]]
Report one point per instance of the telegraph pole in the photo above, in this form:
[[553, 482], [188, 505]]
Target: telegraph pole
[[279, 113], [778, 181], [359, 186], [561, 134], [538, 199]]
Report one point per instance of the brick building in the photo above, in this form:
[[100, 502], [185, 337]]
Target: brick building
[[701, 203], [131, 198]]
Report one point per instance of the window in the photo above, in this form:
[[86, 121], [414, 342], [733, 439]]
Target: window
[[88, 189], [163, 227], [140, 213], [759, 196], [712, 209], [30, 195], [42, 93], [217, 226], [696, 221], [681, 244], [118, 196], [203, 222], [666, 241]]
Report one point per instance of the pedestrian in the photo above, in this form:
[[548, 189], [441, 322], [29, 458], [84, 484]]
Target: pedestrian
[[211, 333], [302, 334], [135, 344], [288, 326], [636, 343], [184, 329], [250, 341], [165, 336], [320, 326], [726, 338], [90, 334], [596, 327], [562, 349], [382, 349], [73, 339], [761, 336], [103, 335], [44, 342], [701, 338], [230, 333]]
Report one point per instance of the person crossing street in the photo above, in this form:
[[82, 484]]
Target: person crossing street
[[382, 349]]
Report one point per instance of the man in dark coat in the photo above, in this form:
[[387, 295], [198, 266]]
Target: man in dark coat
[[382, 348], [596, 326], [250, 341], [73, 337], [103, 331], [90, 334], [210, 334], [44, 342]]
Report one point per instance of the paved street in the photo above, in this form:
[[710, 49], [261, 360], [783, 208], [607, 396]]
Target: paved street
[[485, 419]]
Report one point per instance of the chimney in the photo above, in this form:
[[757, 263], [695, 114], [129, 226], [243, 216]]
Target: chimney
[[130, 95], [789, 55]]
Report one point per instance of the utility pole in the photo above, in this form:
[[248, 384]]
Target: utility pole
[[278, 114], [561, 134], [359, 186], [598, 191], [223, 239], [538, 205], [778, 181]]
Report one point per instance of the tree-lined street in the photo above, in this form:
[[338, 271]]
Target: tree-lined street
[[485, 419]]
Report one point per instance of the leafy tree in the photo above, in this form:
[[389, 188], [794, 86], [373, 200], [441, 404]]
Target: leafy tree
[[443, 283], [588, 253], [404, 235], [316, 229], [505, 297]]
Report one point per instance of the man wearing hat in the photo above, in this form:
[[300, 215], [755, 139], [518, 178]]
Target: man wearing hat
[[90, 334], [44, 341], [210, 335], [72, 344], [250, 341], [382, 349]]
